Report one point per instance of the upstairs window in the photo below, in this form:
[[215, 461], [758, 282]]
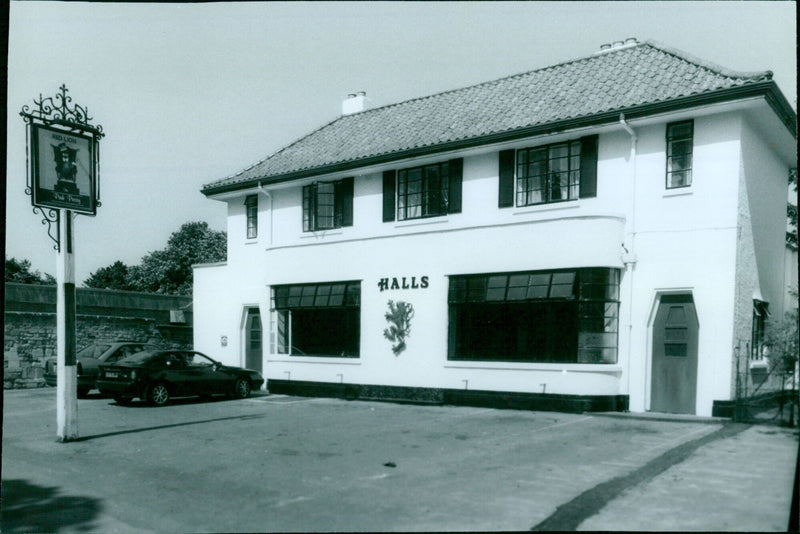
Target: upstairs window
[[548, 174], [328, 205], [680, 139], [251, 203], [420, 192]]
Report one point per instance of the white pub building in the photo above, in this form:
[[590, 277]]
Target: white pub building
[[601, 234]]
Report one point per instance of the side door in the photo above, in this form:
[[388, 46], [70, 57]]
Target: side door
[[174, 371], [206, 377], [253, 335], [674, 377]]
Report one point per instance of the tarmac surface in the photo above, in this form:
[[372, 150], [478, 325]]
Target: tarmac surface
[[276, 463]]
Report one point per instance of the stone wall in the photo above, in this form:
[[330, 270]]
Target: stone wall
[[29, 335]]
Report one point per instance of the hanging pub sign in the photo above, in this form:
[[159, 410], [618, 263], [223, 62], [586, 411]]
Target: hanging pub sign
[[63, 170]]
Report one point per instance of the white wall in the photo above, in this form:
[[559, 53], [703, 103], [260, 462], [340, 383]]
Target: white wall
[[681, 240]]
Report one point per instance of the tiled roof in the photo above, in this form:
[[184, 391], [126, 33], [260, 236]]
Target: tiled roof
[[613, 80]]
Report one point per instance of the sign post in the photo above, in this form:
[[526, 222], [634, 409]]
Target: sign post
[[67, 375], [62, 180]]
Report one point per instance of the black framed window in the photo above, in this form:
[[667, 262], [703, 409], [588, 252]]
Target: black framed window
[[760, 314], [549, 173], [318, 319], [423, 191], [251, 207], [680, 141], [328, 205], [565, 316]]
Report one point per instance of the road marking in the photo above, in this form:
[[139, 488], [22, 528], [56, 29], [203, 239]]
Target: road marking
[[267, 400]]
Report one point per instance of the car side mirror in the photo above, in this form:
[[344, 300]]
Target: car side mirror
[[217, 365]]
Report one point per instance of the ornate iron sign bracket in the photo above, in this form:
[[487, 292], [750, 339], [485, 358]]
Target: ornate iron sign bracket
[[62, 112]]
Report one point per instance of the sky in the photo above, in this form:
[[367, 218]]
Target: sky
[[191, 93]]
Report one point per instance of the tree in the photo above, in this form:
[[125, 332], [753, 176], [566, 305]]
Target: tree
[[20, 271], [781, 338], [115, 276], [170, 270]]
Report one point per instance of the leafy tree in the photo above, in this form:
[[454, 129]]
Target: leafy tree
[[115, 276], [170, 270], [781, 338], [20, 271]]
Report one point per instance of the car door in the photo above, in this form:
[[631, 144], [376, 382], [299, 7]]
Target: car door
[[206, 375], [174, 371]]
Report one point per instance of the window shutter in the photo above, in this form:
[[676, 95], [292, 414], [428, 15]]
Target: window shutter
[[456, 172], [505, 197], [347, 202], [388, 195], [588, 166]]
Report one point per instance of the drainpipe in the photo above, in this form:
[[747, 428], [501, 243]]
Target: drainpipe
[[269, 196], [629, 257]]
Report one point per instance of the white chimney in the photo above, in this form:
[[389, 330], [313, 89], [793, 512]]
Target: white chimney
[[354, 103], [617, 45]]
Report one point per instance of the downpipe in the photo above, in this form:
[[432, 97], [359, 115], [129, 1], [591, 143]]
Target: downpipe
[[629, 256]]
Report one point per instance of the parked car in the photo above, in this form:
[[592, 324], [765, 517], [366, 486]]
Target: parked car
[[89, 359], [157, 376]]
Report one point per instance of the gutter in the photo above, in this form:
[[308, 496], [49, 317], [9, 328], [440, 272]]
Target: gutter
[[768, 89]]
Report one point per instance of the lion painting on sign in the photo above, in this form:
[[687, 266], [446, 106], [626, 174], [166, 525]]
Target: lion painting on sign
[[399, 316], [65, 168]]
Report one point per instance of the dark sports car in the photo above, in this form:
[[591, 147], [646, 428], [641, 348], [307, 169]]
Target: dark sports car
[[156, 376], [91, 357]]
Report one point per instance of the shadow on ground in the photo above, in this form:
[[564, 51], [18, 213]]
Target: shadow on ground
[[27, 507]]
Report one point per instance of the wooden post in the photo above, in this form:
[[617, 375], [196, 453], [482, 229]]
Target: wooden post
[[67, 375]]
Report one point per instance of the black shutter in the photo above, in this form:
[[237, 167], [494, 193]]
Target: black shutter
[[388, 195], [588, 166], [347, 202], [505, 198], [456, 172]]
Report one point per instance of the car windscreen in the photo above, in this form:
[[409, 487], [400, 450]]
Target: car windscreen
[[93, 351]]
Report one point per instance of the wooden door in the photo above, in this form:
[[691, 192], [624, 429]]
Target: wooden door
[[674, 379]]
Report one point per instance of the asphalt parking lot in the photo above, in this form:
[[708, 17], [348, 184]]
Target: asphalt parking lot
[[278, 463]]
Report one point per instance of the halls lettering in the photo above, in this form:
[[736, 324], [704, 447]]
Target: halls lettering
[[385, 284]]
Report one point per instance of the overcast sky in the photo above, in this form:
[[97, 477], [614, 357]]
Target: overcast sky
[[190, 93]]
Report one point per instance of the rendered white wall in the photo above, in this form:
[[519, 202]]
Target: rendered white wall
[[682, 240]]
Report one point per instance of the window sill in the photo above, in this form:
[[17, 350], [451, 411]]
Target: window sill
[[321, 234], [557, 206], [607, 368], [285, 358], [252, 241], [684, 191], [421, 222]]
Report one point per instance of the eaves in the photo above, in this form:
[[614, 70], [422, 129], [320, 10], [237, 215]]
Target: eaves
[[767, 89]]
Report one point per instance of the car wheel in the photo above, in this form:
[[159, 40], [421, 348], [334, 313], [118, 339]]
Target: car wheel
[[158, 394], [122, 400], [83, 391], [241, 390]]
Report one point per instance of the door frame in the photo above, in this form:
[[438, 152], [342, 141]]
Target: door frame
[[655, 302], [243, 335]]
